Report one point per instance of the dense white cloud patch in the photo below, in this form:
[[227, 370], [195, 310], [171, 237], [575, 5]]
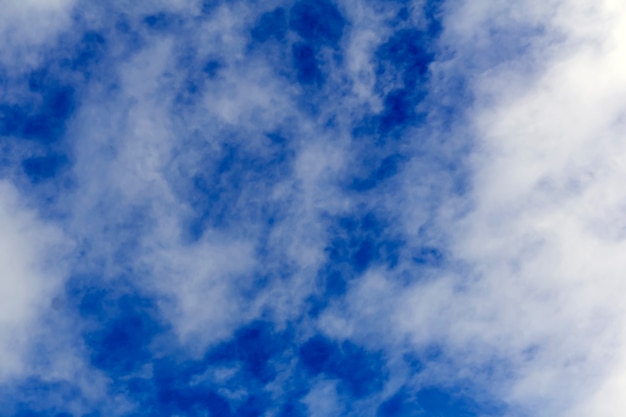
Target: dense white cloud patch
[[28, 27], [544, 239], [33, 263]]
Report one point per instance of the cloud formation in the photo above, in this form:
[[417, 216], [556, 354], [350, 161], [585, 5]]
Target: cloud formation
[[312, 208]]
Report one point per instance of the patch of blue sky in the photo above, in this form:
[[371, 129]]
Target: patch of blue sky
[[41, 119], [271, 25], [43, 398], [227, 172], [428, 401], [224, 190]]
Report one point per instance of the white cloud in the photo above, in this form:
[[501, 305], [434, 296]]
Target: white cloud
[[544, 240], [200, 286], [536, 246], [322, 400], [32, 268], [134, 152], [535, 283], [29, 26]]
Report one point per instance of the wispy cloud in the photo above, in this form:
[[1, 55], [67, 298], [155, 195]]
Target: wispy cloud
[[313, 208]]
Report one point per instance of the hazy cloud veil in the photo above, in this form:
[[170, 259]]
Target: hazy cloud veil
[[312, 208]]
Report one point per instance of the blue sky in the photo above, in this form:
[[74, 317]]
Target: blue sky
[[312, 208]]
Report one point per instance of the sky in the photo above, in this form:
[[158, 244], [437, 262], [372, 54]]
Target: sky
[[386, 208]]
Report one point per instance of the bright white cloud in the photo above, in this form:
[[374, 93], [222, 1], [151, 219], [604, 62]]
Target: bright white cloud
[[544, 240], [33, 261], [28, 26]]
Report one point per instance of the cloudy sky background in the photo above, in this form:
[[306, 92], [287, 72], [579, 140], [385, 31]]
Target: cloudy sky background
[[313, 208]]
